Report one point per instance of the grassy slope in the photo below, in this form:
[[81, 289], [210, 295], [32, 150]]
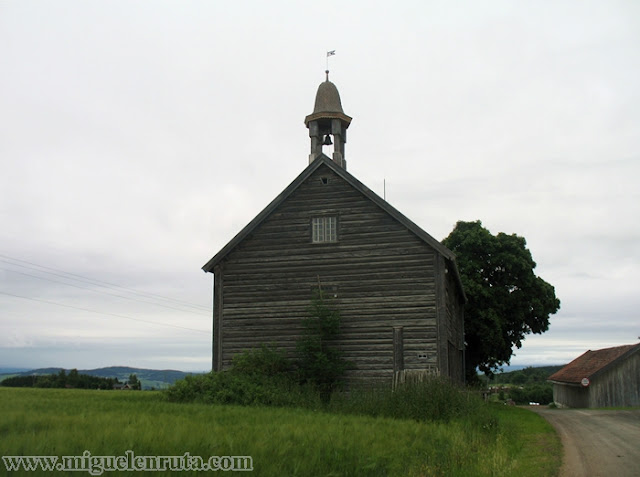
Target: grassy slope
[[282, 442], [534, 444]]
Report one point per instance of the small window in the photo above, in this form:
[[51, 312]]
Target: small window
[[324, 229], [324, 180], [327, 290]]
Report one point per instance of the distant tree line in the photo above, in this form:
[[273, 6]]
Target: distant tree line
[[61, 380], [525, 385], [524, 376]]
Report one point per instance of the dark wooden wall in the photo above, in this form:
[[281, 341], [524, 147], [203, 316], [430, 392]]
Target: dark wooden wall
[[617, 386], [382, 274], [570, 395], [454, 303]]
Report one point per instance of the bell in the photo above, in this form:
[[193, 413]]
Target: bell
[[327, 141]]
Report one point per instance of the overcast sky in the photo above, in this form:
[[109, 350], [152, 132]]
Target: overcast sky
[[137, 138]]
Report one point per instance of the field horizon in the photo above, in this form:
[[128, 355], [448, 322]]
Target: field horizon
[[150, 378]]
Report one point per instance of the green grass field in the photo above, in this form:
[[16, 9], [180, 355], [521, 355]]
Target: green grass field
[[281, 441]]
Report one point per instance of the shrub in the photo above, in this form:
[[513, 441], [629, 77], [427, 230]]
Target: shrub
[[435, 399], [265, 376], [226, 388], [540, 393], [320, 362], [266, 360], [261, 376]]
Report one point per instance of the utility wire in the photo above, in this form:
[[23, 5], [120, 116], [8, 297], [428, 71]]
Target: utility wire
[[104, 313], [104, 292], [81, 278]]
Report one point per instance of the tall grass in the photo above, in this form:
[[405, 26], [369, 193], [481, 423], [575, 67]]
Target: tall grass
[[434, 399], [282, 441]]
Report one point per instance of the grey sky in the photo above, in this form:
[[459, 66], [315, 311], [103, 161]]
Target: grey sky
[[137, 138]]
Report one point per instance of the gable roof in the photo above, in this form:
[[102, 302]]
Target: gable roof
[[356, 184], [591, 363]]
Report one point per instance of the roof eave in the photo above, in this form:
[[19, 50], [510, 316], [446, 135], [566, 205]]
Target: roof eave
[[328, 115], [565, 383], [593, 374], [210, 265], [395, 213], [375, 198], [609, 365]]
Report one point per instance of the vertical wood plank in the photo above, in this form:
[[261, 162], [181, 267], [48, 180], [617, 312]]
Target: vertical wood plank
[[218, 310], [398, 349], [441, 317]]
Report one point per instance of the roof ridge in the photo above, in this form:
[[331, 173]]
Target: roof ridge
[[592, 362], [354, 182]]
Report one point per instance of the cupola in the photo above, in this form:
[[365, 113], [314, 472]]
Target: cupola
[[328, 121]]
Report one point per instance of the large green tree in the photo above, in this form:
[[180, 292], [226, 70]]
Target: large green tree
[[506, 300]]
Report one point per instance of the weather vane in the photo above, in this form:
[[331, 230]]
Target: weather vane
[[329, 53]]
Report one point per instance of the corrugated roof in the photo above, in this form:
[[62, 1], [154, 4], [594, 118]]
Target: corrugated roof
[[590, 363]]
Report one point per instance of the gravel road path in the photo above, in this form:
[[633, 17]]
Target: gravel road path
[[597, 442]]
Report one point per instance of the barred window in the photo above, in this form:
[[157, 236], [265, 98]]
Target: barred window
[[324, 229]]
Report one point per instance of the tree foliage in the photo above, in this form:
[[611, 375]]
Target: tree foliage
[[542, 393], [528, 375], [506, 300], [320, 361], [134, 382]]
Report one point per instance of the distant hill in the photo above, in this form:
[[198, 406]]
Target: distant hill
[[151, 378], [12, 370]]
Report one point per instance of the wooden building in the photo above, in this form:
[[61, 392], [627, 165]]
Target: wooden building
[[397, 288], [602, 378]]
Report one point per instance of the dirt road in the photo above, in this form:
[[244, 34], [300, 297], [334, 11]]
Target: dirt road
[[596, 442]]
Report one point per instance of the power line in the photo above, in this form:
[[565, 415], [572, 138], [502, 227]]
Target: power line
[[82, 278], [93, 281], [104, 313], [103, 292]]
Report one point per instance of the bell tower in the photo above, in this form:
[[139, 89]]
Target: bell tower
[[328, 120]]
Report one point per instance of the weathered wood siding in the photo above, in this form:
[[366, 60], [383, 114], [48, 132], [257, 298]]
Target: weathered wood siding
[[382, 274], [618, 385], [570, 395], [454, 303]]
